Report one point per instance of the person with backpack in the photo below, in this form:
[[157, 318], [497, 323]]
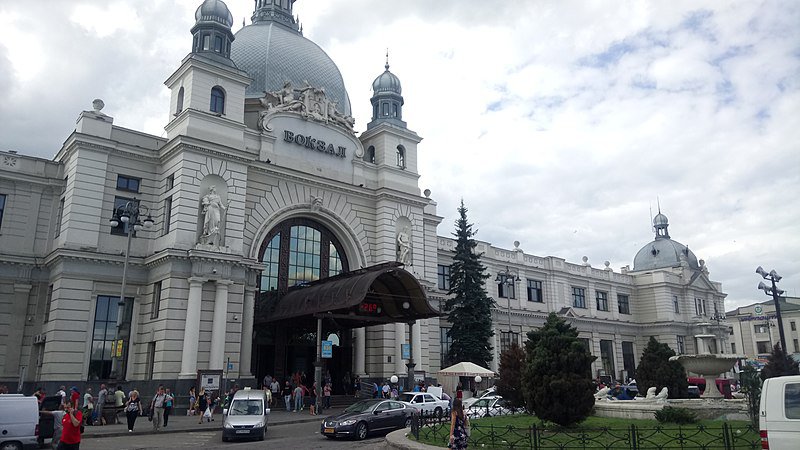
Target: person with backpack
[[157, 408], [133, 409]]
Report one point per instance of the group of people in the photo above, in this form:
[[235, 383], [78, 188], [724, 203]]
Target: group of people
[[296, 394]]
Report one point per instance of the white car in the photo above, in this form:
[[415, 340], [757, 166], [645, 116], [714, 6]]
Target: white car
[[489, 407], [488, 393], [425, 403]]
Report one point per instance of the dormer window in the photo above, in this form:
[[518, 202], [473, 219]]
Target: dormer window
[[217, 100]]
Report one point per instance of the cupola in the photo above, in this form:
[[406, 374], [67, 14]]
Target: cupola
[[387, 99], [212, 35]]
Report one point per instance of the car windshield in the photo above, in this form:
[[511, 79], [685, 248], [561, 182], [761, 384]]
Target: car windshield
[[486, 392], [408, 398], [360, 407], [246, 408], [482, 403]]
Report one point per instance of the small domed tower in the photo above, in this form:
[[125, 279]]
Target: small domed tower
[[387, 99], [212, 31]]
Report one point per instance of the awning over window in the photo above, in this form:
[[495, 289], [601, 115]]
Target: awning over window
[[385, 293]]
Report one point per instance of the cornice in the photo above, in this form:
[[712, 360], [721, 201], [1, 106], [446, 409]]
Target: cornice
[[74, 142]]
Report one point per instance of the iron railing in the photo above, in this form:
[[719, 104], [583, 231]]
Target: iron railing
[[436, 429]]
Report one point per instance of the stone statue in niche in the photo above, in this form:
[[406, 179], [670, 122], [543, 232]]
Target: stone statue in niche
[[404, 246], [214, 212]]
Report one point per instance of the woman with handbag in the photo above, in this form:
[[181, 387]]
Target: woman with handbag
[[202, 404], [459, 427], [133, 409]]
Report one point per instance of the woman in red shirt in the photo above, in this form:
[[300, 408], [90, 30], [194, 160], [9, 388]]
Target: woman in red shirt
[[71, 434], [74, 397]]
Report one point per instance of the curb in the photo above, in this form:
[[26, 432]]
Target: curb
[[399, 439], [186, 430]]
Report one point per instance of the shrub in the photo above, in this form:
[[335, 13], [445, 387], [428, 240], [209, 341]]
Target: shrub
[[680, 416], [512, 361], [656, 370]]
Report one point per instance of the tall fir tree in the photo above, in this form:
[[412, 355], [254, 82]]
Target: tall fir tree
[[509, 386], [656, 370], [469, 307]]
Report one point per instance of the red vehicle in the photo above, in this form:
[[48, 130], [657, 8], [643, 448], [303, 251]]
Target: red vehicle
[[723, 384]]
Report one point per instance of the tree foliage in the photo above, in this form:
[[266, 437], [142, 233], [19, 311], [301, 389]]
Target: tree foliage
[[557, 380], [656, 370], [751, 388], [779, 364], [509, 386], [469, 307]]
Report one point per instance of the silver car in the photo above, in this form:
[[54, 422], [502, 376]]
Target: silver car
[[246, 416]]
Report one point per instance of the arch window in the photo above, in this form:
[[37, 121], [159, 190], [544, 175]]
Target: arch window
[[385, 108], [218, 44], [370, 157], [299, 251], [179, 102], [394, 109], [401, 157], [217, 100]]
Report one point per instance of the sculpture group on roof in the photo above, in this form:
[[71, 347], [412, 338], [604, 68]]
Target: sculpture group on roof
[[310, 102]]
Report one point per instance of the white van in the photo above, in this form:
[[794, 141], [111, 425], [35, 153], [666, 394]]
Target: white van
[[779, 413], [19, 421], [246, 416]]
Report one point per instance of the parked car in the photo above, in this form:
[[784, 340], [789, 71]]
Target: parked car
[[19, 421], [425, 403], [367, 416], [491, 392], [489, 407], [246, 416], [779, 413]]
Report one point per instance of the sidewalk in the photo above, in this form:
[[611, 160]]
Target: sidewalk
[[186, 424]]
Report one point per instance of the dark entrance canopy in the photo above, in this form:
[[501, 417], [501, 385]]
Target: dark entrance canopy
[[385, 293]]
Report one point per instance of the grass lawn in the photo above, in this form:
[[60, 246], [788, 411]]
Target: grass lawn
[[510, 432]]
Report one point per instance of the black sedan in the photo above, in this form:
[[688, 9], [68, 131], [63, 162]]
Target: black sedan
[[367, 416]]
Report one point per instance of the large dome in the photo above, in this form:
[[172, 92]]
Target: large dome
[[273, 54], [663, 252]]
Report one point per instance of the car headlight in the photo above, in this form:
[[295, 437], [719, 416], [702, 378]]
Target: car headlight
[[348, 422], [228, 425]]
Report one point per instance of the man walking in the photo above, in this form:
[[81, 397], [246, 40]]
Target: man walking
[[298, 398], [287, 396], [275, 387], [102, 395], [157, 407]]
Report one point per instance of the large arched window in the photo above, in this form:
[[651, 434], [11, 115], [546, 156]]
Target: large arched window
[[299, 251], [401, 157], [217, 100], [179, 106]]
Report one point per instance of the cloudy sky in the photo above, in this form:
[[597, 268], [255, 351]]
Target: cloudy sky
[[560, 123]]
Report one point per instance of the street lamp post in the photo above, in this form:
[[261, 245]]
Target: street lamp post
[[776, 295], [508, 279], [129, 215], [720, 317]]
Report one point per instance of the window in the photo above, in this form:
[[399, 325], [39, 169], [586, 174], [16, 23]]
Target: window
[[733, 347], [790, 404], [370, 156], [761, 328], [624, 304], [796, 347], [508, 338], [601, 300], [218, 44], [122, 227], [607, 356], [793, 326], [681, 345], [446, 341], [217, 100], [170, 181], [586, 344], [401, 157], [385, 109], [578, 297], [206, 42], [59, 217], [443, 273], [130, 184], [535, 291], [48, 304], [394, 109], [156, 305], [105, 331], [167, 213], [676, 304], [2, 207], [506, 290], [179, 106], [763, 347], [297, 251], [151, 360], [700, 306], [628, 359]]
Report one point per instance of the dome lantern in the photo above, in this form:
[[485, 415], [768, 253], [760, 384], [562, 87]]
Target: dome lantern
[[212, 35], [278, 12], [387, 99]]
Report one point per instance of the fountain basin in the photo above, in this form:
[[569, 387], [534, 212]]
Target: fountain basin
[[709, 367]]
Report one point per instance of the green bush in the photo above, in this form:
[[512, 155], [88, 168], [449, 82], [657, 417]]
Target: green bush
[[680, 416]]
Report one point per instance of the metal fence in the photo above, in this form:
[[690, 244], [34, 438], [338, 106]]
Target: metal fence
[[434, 429]]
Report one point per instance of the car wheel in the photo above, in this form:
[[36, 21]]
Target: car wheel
[[361, 431], [408, 422], [438, 412], [225, 438], [263, 433], [11, 446]]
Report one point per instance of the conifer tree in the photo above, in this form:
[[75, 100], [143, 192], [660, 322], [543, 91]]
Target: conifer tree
[[557, 379], [469, 307], [509, 386], [656, 370], [779, 364]]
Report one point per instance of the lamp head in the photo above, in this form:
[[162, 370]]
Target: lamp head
[[148, 222], [763, 287], [114, 221], [775, 275], [498, 279], [760, 270], [478, 378], [393, 379]]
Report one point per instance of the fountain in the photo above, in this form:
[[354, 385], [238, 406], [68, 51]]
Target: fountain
[[708, 365]]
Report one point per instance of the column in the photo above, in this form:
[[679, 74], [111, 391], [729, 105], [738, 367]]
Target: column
[[216, 359], [399, 340], [416, 344], [191, 332], [18, 319], [246, 351], [360, 353]]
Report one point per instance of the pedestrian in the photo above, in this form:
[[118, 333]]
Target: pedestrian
[[102, 396], [192, 402], [119, 403], [386, 389], [71, 429], [287, 396], [298, 398], [88, 406], [157, 407], [133, 409], [312, 404], [168, 400], [267, 384], [74, 396], [62, 392], [202, 404], [40, 394], [326, 397], [357, 386], [460, 392], [275, 387], [58, 425], [459, 426]]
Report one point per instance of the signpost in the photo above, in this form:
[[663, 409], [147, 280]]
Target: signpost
[[327, 349], [406, 351]]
